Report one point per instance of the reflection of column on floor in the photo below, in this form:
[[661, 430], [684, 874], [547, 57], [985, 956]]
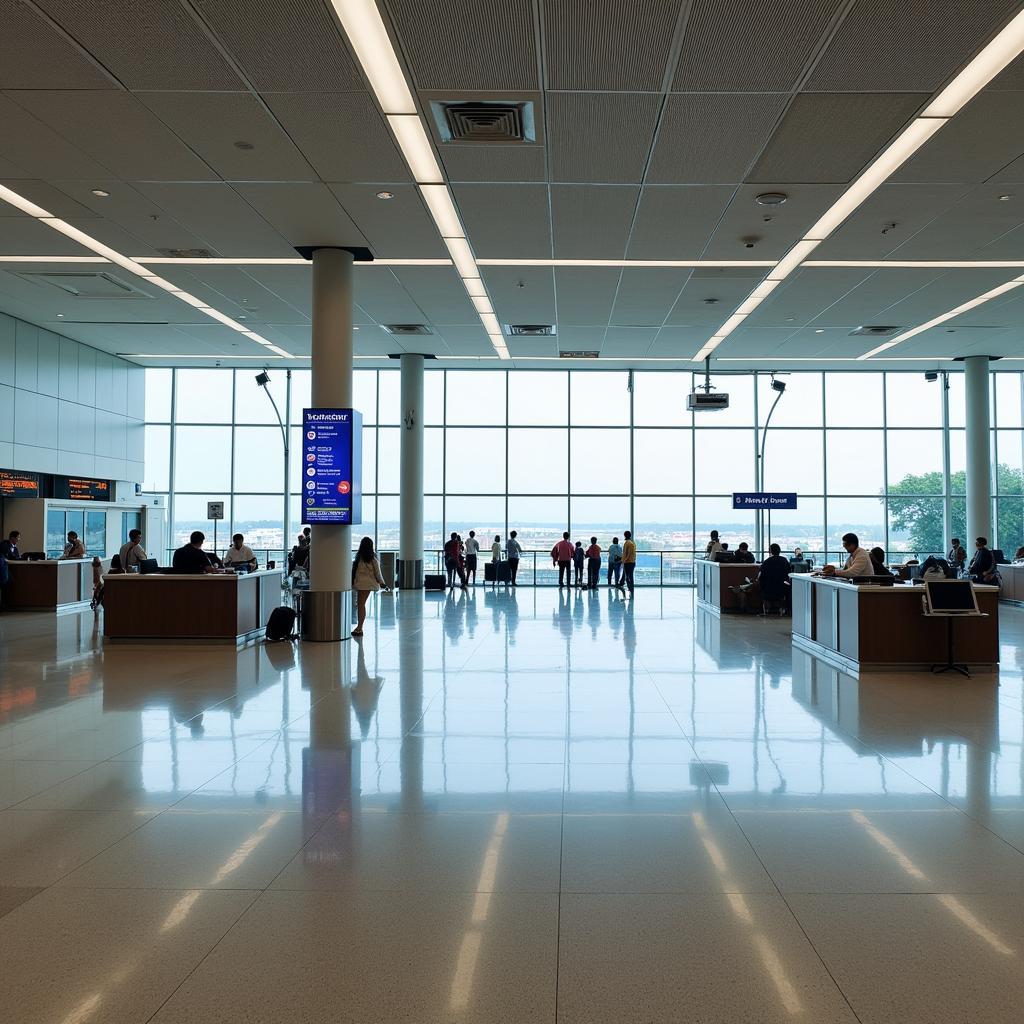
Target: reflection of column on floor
[[979, 781], [410, 684]]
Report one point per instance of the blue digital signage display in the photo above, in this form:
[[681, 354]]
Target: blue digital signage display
[[332, 466]]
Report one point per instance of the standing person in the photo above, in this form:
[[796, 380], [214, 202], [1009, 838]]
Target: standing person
[[472, 550], [496, 549], [593, 564], [628, 560], [714, 546], [132, 553], [579, 559], [513, 552], [74, 547], [366, 578], [451, 558], [240, 553], [9, 546], [561, 555], [957, 556], [614, 563]]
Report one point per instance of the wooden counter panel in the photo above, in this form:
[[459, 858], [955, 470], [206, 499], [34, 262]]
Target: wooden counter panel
[[31, 586], [174, 607], [248, 607], [715, 578]]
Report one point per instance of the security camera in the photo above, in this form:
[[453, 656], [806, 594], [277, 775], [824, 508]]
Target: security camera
[[931, 375]]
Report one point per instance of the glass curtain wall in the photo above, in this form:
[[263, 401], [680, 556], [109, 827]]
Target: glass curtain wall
[[596, 452]]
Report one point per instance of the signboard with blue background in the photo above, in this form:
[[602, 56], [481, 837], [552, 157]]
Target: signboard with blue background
[[763, 499], [332, 466]]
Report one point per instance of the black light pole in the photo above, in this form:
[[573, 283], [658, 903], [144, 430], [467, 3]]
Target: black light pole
[[779, 387], [263, 380]]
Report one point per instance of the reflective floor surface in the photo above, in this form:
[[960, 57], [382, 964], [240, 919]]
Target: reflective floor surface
[[515, 807]]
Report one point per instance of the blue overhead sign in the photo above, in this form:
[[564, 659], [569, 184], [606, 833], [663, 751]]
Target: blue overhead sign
[[763, 499], [332, 462]]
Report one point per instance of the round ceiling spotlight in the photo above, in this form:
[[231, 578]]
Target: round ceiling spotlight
[[1005, 198], [101, 193], [385, 195], [819, 330], [241, 144], [771, 198], [60, 316]]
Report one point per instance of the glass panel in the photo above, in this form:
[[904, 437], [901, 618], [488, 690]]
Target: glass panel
[[915, 528], [915, 461], [433, 396], [663, 461], [260, 518], [157, 466], [368, 527], [957, 462], [539, 521], [603, 517], [800, 404], [741, 401], [862, 516], [302, 381], [599, 399], [203, 396], [387, 523], [1007, 388], [259, 460], [1009, 459], [158, 396], [389, 460], [802, 527], [370, 460], [202, 460], [364, 394], [853, 399], [663, 523], [1010, 526], [538, 460], [190, 514], [433, 460], [131, 521], [74, 521], [96, 533], [725, 461], [600, 461], [956, 400], [55, 532], [793, 461], [855, 461], [390, 397], [485, 515], [912, 401], [475, 396], [433, 527], [659, 398], [732, 524], [475, 462], [538, 398], [251, 402]]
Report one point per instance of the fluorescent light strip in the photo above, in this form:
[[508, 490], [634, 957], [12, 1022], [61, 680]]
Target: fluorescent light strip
[[192, 355], [415, 146], [369, 38], [462, 257], [21, 203], [1006, 46], [924, 264], [965, 307], [625, 263], [482, 303], [442, 209], [793, 259], [474, 287], [53, 259]]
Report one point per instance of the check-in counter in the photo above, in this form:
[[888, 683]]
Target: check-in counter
[[1013, 583], [215, 608], [49, 585], [714, 580], [863, 627]]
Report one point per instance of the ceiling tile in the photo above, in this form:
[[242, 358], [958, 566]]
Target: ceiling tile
[[726, 286], [592, 221], [584, 295], [305, 213], [399, 227], [522, 295], [506, 221], [674, 222], [627, 342], [439, 292], [645, 296], [474, 162]]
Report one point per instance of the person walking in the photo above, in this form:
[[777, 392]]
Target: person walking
[[579, 559], [561, 555], [628, 561], [593, 564], [366, 578], [513, 552], [472, 550], [614, 563]]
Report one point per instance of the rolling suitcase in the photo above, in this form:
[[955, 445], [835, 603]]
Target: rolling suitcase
[[489, 571], [434, 581], [504, 572]]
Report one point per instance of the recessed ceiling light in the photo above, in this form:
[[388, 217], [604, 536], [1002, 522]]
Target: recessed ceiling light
[[1005, 198], [101, 193], [771, 198], [241, 144], [385, 195], [60, 316], [819, 330]]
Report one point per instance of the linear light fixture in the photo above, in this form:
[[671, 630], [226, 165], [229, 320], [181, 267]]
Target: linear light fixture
[[624, 263], [474, 287], [416, 148], [53, 259], [442, 209], [462, 257], [482, 303], [793, 259], [193, 355]]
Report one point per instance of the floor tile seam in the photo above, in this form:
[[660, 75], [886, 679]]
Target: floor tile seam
[[70, 778]]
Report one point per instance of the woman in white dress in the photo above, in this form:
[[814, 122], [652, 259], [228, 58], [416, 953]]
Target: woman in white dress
[[366, 578]]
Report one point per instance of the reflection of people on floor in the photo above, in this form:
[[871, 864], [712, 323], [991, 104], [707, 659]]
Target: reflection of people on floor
[[453, 624], [561, 615], [577, 610], [616, 605], [471, 614], [365, 692], [594, 612], [629, 631], [503, 603], [190, 713]]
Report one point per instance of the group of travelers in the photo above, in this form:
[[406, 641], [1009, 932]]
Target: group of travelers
[[461, 558], [573, 559]]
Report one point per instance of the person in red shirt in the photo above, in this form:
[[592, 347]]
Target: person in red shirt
[[561, 555], [593, 564]]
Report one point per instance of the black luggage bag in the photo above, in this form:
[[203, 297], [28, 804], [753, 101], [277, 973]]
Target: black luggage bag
[[281, 625]]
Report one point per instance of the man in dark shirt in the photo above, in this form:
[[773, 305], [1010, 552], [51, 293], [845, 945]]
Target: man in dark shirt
[[9, 547], [191, 557], [983, 561], [744, 554], [773, 575]]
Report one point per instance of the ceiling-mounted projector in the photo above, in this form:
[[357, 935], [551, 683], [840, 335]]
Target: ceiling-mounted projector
[[706, 401]]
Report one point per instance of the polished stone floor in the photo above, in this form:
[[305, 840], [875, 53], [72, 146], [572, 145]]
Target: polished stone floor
[[514, 807]]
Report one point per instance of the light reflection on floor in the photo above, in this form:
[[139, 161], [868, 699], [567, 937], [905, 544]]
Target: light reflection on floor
[[531, 805]]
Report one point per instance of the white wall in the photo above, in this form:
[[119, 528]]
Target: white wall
[[67, 408]]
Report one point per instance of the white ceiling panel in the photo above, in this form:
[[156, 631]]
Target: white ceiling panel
[[675, 222], [628, 342], [728, 287], [305, 213], [510, 221], [584, 295], [459, 341], [25, 236], [803, 296], [592, 221], [957, 341], [475, 162], [533, 348], [677, 343], [383, 299], [522, 295], [50, 197], [39, 150], [398, 227], [439, 293], [645, 297]]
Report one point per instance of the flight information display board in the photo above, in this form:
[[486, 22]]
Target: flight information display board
[[81, 489], [14, 484], [332, 464]]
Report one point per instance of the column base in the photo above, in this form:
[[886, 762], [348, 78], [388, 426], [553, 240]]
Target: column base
[[410, 574], [327, 615]]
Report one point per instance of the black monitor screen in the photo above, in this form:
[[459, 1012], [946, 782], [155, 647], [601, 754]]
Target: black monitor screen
[[951, 596]]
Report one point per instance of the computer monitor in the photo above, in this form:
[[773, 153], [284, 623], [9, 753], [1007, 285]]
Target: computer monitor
[[951, 596], [148, 565]]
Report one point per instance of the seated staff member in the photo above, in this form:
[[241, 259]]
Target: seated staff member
[[132, 553], [240, 553], [9, 546], [878, 566], [191, 557], [957, 556], [74, 547], [772, 577], [744, 554], [983, 563], [714, 546], [857, 564]]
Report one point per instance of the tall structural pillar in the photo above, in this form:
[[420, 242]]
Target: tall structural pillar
[[410, 540], [326, 611], [979, 458]]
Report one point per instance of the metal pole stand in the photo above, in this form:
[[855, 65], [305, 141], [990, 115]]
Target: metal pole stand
[[950, 665]]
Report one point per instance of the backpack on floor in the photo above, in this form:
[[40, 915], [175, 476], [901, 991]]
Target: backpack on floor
[[281, 625]]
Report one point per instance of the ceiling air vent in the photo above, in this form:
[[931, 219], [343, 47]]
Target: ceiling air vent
[[187, 254], [407, 330], [580, 353], [875, 331], [530, 330], [490, 121], [88, 285]]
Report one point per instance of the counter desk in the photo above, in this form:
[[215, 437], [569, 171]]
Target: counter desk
[[1013, 583], [868, 627], [714, 580], [49, 585], [216, 608]]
